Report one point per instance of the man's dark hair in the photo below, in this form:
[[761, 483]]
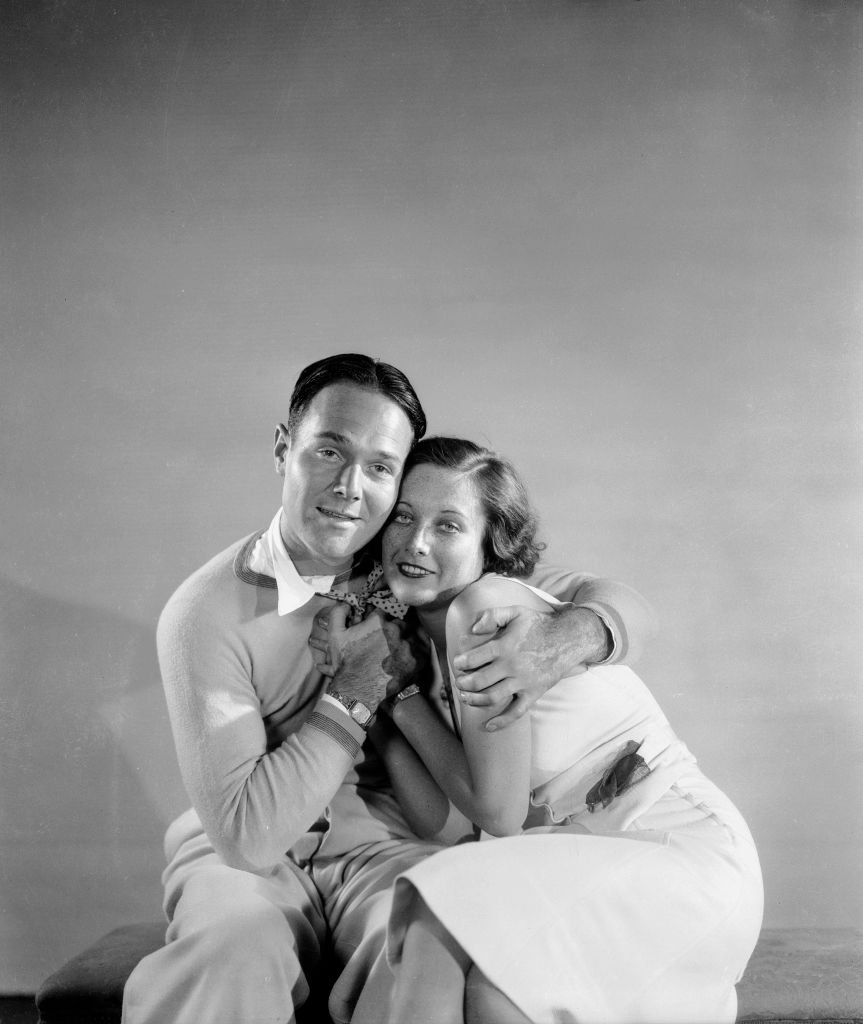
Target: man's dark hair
[[363, 372], [509, 545]]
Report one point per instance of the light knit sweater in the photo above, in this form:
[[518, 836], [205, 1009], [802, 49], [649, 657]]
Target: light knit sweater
[[262, 757]]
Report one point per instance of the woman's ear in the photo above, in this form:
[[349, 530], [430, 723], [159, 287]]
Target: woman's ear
[[281, 444]]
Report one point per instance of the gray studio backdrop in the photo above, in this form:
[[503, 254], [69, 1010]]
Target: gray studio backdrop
[[619, 241]]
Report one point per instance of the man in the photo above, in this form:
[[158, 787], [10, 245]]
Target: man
[[283, 868]]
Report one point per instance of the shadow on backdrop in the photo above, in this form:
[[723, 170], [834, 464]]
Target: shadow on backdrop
[[84, 733]]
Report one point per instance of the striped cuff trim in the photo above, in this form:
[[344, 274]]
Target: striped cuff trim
[[335, 731]]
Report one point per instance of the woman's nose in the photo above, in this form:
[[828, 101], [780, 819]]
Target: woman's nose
[[349, 483], [417, 543]]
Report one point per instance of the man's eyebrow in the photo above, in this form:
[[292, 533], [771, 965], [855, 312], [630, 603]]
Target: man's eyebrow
[[343, 439], [331, 435]]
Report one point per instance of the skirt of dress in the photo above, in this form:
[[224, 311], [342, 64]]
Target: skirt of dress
[[653, 925]]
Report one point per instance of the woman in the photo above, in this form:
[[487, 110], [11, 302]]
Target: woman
[[625, 886]]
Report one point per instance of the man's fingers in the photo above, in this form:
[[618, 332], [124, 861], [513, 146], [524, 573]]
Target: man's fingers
[[396, 629], [493, 619], [482, 678], [337, 620], [499, 692], [319, 643], [344, 635], [370, 627], [476, 658], [514, 711]]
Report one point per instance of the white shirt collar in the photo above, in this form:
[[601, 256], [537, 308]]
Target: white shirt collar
[[270, 558]]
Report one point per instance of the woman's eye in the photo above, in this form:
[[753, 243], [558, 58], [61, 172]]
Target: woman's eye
[[450, 527], [401, 517]]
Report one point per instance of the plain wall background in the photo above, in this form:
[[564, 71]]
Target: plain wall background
[[619, 241]]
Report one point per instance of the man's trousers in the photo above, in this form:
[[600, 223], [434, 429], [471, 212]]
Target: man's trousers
[[244, 948]]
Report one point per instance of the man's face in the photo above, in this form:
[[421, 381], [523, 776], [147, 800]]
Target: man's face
[[341, 470]]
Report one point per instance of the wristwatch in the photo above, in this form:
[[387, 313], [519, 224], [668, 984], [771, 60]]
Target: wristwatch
[[358, 711]]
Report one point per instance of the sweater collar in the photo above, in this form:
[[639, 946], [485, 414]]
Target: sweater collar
[[269, 557]]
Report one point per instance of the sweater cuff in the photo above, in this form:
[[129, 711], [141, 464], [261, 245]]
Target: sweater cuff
[[614, 627], [335, 721]]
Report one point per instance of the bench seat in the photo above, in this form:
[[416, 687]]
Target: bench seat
[[795, 974]]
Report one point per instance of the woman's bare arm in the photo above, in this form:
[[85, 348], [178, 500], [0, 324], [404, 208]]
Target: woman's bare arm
[[487, 774]]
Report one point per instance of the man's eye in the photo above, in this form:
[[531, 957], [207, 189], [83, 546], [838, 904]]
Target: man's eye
[[381, 469], [328, 453]]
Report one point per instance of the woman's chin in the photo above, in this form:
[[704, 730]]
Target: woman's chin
[[413, 596]]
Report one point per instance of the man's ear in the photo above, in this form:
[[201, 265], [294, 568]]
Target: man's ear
[[281, 444]]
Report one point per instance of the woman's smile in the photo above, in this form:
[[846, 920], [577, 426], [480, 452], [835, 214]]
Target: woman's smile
[[413, 571]]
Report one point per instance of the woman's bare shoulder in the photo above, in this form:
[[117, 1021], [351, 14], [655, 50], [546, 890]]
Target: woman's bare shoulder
[[488, 592]]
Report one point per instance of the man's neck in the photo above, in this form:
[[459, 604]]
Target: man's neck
[[307, 566], [315, 567]]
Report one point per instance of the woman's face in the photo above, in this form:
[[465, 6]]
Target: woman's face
[[432, 545]]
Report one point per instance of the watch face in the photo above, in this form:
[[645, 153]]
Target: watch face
[[360, 713]]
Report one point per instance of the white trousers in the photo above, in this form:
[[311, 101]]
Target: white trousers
[[243, 948]]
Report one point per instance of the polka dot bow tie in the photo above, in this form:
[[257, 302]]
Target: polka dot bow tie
[[370, 596]]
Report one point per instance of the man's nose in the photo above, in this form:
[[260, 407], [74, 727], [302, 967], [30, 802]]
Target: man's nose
[[349, 482]]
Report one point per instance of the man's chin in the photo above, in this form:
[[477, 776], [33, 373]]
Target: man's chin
[[335, 550]]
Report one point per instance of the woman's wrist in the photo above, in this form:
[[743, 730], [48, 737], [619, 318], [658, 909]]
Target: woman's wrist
[[411, 690]]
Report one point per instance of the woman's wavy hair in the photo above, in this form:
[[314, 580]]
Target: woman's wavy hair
[[509, 543]]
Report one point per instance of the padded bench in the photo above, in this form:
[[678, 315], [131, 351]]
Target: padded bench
[[795, 974]]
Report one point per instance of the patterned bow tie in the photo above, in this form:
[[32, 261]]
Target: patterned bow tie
[[371, 594]]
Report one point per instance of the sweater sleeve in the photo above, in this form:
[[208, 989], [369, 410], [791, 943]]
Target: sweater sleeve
[[253, 804], [626, 614]]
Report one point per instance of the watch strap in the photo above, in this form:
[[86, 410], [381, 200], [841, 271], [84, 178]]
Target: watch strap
[[409, 691]]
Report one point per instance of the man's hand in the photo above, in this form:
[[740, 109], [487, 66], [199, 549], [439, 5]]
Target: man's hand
[[528, 653], [374, 659], [326, 661]]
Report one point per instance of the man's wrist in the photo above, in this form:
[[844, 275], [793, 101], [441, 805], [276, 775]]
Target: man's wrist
[[358, 710], [336, 720], [591, 640], [600, 639]]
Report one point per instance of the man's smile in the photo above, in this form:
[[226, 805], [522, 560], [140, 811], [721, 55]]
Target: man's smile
[[343, 517]]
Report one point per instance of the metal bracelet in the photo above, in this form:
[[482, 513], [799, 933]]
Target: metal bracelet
[[408, 691]]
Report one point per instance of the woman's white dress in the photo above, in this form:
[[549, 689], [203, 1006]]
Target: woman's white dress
[[643, 910]]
